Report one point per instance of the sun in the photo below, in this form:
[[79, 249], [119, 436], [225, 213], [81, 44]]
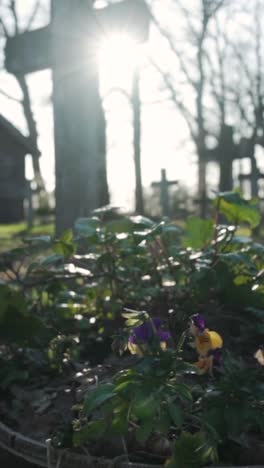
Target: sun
[[117, 56]]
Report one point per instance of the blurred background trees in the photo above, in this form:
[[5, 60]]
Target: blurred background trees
[[204, 62], [13, 22]]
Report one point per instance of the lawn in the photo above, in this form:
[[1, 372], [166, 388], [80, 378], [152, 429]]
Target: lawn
[[12, 235]]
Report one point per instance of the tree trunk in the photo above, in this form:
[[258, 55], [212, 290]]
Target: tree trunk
[[104, 198], [136, 104], [254, 176], [202, 190], [201, 143], [32, 129], [226, 152]]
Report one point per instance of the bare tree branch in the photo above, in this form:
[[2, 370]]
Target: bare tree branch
[[164, 33], [118, 90], [247, 73], [13, 10], [26, 100], [184, 110], [4, 28], [241, 108], [259, 77], [187, 17], [219, 94], [8, 96], [33, 15], [211, 7]]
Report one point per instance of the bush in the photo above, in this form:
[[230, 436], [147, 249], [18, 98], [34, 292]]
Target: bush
[[63, 298]]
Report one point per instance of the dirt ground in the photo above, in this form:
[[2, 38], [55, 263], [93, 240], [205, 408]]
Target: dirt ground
[[9, 461]]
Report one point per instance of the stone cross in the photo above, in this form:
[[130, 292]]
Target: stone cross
[[164, 185], [68, 46], [226, 152]]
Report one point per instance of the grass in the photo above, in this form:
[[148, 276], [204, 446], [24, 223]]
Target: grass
[[11, 235]]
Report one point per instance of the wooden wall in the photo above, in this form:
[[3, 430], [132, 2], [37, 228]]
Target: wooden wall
[[12, 179]]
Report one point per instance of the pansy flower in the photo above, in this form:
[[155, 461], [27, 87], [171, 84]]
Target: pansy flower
[[199, 322], [207, 343], [143, 336]]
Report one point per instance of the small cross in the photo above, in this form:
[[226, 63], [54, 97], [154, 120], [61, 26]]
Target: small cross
[[164, 185]]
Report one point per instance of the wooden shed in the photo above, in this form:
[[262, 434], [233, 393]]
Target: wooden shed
[[13, 149]]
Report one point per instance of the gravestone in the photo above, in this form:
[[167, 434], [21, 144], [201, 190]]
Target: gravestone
[[226, 152], [164, 185], [68, 46]]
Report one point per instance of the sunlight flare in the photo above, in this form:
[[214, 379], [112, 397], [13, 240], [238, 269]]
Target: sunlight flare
[[118, 56]]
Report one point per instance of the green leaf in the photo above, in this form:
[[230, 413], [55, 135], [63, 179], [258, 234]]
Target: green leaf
[[133, 322], [17, 324], [144, 406], [142, 222], [120, 423], [86, 227], [190, 451], [176, 414], [163, 423], [120, 225], [107, 209], [170, 234], [127, 375], [134, 315], [183, 391], [259, 313], [199, 232], [65, 246], [93, 430], [70, 296], [20, 329], [67, 236], [145, 431], [238, 210], [126, 386], [39, 239], [242, 279], [242, 240], [52, 259], [99, 396], [171, 229]]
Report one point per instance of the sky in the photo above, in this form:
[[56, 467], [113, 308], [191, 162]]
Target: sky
[[165, 138]]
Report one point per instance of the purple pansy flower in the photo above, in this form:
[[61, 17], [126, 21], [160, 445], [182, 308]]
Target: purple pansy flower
[[199, 322], [144, 332]]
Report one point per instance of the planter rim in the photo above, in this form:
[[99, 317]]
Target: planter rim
[[45, 456]]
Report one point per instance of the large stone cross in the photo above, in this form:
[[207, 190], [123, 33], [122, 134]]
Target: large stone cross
[[68, 46]]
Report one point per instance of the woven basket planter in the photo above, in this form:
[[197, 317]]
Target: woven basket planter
[[45, 456]]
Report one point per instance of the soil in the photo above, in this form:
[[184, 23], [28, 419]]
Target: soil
[[44, 405], [10, 461]]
